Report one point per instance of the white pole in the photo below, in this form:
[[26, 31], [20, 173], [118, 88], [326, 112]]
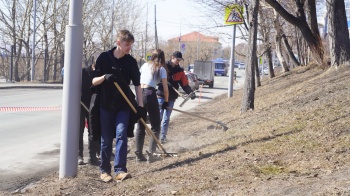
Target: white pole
[[180, 35], [230, 83], [71, 91], [146, 38], [32, 71], [112, 26], [232, 70]]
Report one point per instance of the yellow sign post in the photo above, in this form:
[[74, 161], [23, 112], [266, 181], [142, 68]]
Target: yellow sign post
[[148, 57], [234, 14]]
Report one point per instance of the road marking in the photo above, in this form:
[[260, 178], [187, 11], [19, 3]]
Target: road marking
[[28, 109]]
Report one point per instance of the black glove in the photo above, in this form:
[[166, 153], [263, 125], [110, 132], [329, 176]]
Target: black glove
[[193, 96], [110, 78], [140, 112], [165, 105]]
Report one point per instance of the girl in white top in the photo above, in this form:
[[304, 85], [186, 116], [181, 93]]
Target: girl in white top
[[152, 73]]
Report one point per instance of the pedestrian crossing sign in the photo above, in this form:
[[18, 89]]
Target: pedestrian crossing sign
[[148, 57], [234, 14]]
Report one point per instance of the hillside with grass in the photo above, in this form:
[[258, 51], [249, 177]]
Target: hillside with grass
[[295, 142]]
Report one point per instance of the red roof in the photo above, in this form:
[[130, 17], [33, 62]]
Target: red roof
[[195, 36]]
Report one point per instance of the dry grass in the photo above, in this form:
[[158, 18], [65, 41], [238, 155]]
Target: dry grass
[[295, 142]]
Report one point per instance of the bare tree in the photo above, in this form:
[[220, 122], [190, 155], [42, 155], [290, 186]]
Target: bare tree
[[338, 33], [249, 85], [16, 20], [290, 51], [306, 21], [266, 29], [279, 49]]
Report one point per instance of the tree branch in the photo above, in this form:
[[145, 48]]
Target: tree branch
[[284, 13]]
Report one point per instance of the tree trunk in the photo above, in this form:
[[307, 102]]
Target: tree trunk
[[269, 58], [338, 33], [290, 51], [257, 74], [28, 59], [249, 85], [279, 52], [299, 46]]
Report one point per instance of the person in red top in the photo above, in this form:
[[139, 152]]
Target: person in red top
[[176, 78]]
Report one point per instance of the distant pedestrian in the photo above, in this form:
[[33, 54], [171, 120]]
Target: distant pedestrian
[[176, 78], [86, 93], [114, 110], [152, 73], [62, 74], [235, 76]]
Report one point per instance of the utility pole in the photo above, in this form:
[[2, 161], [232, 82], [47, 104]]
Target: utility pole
[[33, 44], [71, 91], [112, 25], [146, 38], [155, 27], [180, 36], [198, 46]]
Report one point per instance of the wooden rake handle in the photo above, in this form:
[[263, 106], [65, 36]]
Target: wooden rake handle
[[148, 130], [217, 122]]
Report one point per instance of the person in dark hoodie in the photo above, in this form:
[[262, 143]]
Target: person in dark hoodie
[[114, 110], [176, 78], [86, 93]]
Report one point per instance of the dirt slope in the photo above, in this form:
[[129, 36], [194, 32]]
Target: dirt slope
[[295, 142]]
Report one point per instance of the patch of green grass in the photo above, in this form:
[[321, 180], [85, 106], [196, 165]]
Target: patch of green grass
[[271, 170]]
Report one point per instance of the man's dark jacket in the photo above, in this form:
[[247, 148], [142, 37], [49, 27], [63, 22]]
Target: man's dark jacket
[[176, 78]]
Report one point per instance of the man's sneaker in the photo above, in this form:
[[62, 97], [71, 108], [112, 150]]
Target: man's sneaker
[[106, 177], [122, 176], [80, 161], [140, 157]]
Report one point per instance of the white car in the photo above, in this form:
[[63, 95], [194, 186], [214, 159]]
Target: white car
[[241, 66], [191, 83], [194, 78], [265, 71]]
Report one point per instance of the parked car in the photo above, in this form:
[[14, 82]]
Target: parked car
[[191, 82], [265, 71], [195, 79], [241, 66]]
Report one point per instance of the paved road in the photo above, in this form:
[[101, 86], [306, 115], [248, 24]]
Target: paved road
[[29, 142], [27, 134]]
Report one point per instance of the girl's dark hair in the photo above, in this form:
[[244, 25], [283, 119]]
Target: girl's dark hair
[[158, 61]]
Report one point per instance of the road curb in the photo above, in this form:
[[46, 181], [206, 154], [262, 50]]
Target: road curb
[[30, 86]]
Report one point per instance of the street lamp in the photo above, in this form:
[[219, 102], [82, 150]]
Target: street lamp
[[33, 45]]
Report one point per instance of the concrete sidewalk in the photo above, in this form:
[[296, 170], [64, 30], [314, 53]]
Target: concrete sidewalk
[[8, 85]]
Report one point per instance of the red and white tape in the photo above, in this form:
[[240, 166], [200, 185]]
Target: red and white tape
[[27, 109]]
